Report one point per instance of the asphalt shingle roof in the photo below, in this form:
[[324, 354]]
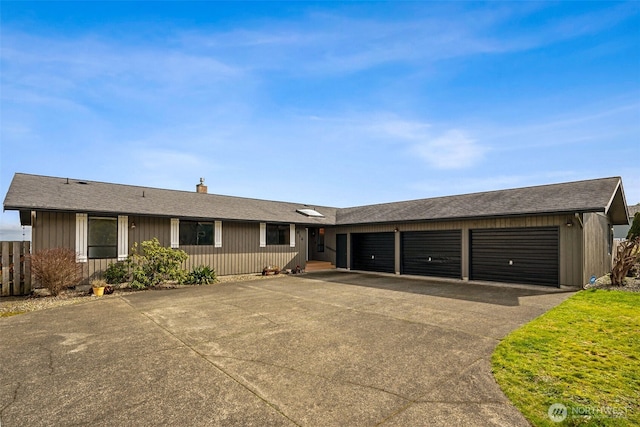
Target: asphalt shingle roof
[[581, 196], [35, 192]]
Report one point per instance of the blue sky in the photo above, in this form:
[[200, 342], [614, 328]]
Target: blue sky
[[336, 104]]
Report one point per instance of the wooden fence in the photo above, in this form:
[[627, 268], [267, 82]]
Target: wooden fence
[[16, 268]]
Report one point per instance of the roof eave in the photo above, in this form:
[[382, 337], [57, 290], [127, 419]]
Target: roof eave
[[471, 218], [617, 208]]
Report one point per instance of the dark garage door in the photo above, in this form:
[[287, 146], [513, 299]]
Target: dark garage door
[[373, 252], [517, 255], [432, 253]]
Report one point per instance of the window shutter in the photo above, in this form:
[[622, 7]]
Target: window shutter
[[292, 235], [81, 237], [217, 234], [263, 234], [123, 237], [175, 233]]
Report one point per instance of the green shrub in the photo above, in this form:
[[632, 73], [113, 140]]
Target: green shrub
[[118, 272], [203, 275], [156, 264], [56, 269], [634, 231], [137, 285]]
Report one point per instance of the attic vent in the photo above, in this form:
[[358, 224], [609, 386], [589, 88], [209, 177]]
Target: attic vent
[[310, 212], [82, 182]]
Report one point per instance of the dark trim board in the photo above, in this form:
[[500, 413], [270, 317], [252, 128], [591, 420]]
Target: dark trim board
[[341, 250], [517, 255]]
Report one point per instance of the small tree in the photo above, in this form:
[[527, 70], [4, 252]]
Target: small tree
[[56, 269]]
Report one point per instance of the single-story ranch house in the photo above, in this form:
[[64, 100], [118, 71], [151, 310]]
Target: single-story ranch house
[[559, 234]]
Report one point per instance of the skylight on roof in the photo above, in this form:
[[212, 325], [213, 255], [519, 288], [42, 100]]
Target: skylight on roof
[[310, 212]]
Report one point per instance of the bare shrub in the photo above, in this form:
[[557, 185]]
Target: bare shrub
[[627, 255], [56, 269]]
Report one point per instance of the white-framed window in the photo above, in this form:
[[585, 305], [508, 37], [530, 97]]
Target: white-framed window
[[278, 234], [102, 237], [196, 233]]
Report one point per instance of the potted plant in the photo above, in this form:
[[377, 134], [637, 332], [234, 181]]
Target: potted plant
[[98, 286]]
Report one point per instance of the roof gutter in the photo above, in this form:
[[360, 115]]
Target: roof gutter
[[572, 212]]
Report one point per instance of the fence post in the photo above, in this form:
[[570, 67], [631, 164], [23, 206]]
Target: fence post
[[26, 250], [17, 268], [6, 291]]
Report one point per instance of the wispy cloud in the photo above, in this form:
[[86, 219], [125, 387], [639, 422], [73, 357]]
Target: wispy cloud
[[334, 44], [604, 121], [451, 150]]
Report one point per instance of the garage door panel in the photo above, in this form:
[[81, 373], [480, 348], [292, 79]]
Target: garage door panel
[[431, 253], [373, 252], [519, 255]]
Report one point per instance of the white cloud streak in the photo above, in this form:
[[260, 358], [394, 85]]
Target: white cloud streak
[[451, 150]]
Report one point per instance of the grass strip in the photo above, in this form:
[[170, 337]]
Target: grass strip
[[583, 354]]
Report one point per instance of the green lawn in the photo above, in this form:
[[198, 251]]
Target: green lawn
[[584, 354], [10, 313]]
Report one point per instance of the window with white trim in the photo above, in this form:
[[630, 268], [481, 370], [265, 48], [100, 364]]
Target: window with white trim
[[278, 234], [196, 233], [102, 239]]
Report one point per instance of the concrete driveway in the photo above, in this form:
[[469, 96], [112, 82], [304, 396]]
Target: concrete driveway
[[321, 349]]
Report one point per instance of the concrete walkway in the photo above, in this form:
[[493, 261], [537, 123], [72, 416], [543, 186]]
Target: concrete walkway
[[322, 349]]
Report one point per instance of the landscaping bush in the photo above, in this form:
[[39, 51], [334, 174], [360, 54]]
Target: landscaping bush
[[202, 275], [156, 264], [118, 272], [56, 269], [634, 231]]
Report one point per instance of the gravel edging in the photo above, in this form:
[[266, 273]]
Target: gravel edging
[[631, 284], [10, 306]]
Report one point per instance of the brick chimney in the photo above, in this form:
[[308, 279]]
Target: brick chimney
[[201, 188]]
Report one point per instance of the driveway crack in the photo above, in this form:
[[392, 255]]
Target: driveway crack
[[217, 367], [313, 374], [13, 400]]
